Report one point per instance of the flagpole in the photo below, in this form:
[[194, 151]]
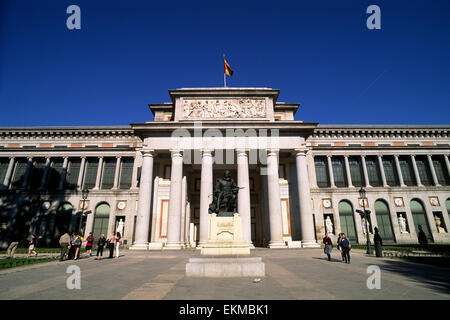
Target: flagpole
[[224, 75]]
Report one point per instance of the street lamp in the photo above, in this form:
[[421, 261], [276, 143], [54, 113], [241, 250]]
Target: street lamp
[[84, 195], [362, 194]]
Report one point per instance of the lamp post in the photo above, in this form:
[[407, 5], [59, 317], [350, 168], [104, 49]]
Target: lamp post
[[362, 194], [84, 195]]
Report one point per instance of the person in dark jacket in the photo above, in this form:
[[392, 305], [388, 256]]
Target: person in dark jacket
[[339, 245], [100, 245], [422, 237], [328, 246], [346, 247], [378, 243]]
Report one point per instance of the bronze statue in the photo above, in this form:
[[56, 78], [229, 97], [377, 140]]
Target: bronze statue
[[224, 196]]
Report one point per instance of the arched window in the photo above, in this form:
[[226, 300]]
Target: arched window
[[384, 220], [101, 219], [419, 217], [347, 220]]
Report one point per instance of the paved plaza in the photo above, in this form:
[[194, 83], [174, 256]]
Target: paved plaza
[[290, 274]]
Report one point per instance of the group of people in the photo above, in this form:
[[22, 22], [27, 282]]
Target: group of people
[[74, 242], [343, 245]]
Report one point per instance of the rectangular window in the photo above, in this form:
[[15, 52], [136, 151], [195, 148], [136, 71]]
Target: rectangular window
[[55, 173], [322, 177], [338, 172], [91, 173], [109, 170], [356, 171], [390, 172], [373, 172], [440, 169], [73, 172], [407, 171], [424, 171], [126, 173]]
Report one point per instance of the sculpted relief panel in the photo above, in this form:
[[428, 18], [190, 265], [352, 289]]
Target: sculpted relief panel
[[224, 108]]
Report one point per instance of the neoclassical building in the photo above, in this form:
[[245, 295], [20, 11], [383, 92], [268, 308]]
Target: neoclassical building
[[297, 180]]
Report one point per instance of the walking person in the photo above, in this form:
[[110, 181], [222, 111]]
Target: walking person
[[71, 254], [339, 246], [32, 247], [89, 242], [100, 244], [328, 246], [346, 247], [117, 244], [64, 242], [378, 243], [78, 242], [110, 242]]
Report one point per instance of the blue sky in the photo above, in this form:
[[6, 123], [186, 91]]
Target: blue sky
[[318, 53]]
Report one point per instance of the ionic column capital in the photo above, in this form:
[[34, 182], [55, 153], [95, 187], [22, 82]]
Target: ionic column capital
[[273, 152], [176, 153], [301, 152], [147, 152], [242, 151], [207, 152]]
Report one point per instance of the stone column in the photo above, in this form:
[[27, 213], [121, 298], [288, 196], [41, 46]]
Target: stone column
[[304, 198], [330, 172], [144, 202], [44, 179], [99, 173], [81, 174], [366, 175], [62, 179], [383, 174], [117, 173], [206, 190], [26, 176], [8, 175], [347, 170], [399, 171], [416, 171], [243, 205], [275, 220], [174, 222], [433, 172]]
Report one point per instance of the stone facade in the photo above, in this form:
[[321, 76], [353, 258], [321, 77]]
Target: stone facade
[[157, 176]]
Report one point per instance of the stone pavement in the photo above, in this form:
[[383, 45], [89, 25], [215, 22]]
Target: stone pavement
[[290, 274]]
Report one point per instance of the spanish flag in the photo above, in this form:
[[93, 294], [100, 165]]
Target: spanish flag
[[227, 68]]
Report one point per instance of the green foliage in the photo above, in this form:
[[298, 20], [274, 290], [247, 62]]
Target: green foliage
[[12, 262], [433, 248]]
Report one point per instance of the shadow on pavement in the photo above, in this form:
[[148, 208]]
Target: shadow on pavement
[[436, 278]]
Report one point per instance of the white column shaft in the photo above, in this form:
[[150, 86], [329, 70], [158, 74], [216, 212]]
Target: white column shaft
[[244, 206], [99, 173], [399, 171], [330, 171], [144, 203], [117, 173], [276, 230], [383, 174], [433, 171], [206, 190], [174, 222], [447, 164], [347, 170], [26, 176], [416, 171], [366, 175], [304, 198], [7, 179], [81, 173]]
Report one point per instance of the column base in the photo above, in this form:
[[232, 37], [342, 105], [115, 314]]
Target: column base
[[155, 245], [173, 246], [310, 244], [277, 245], [139, 246]]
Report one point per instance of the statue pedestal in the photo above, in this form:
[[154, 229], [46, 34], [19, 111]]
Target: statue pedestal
[[225, 236]]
